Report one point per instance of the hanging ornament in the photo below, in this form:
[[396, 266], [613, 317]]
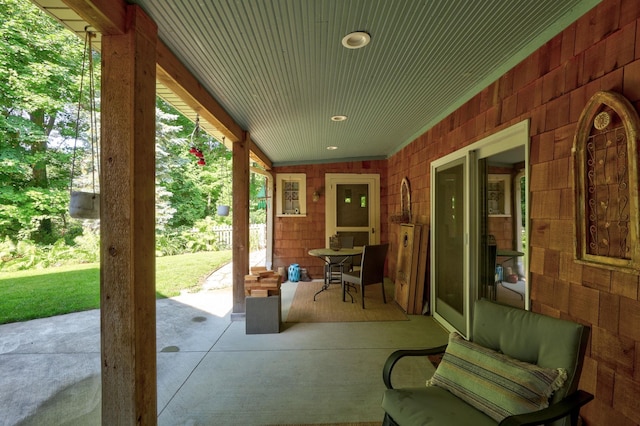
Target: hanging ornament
[[197, 152], [85, 204]]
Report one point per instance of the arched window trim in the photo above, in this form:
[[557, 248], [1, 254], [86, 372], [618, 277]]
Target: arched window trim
[[607, 101]]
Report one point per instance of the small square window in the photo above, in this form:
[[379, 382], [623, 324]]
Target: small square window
[[291, 194]]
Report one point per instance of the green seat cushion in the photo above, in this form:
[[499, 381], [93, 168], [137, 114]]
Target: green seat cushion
[[494, 383], [433, 406]]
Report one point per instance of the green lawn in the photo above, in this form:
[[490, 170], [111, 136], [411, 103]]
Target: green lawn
[[54, 291]]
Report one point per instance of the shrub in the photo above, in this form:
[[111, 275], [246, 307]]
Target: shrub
[[25, 254]]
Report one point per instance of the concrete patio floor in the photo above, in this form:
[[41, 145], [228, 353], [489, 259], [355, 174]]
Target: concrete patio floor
[[210, 371]]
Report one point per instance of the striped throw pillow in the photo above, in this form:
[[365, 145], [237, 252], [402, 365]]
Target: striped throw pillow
[[494, 383]]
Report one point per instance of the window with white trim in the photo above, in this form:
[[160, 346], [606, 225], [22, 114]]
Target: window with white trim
[[291, 193]]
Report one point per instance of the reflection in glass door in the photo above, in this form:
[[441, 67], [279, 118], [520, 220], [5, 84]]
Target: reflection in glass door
[[449, 259]]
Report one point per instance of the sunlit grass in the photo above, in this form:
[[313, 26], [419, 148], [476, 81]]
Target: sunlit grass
[[47, 292]]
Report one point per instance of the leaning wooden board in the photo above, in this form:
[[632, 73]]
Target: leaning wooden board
[[407, 266], [422, 279]]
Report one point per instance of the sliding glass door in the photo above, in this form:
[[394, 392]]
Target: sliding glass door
[[450, 243], [468, 237]]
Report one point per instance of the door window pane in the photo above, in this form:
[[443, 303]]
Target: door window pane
[[449, 238], [351, 205]]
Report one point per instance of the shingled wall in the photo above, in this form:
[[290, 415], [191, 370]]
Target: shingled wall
[[600, 51]]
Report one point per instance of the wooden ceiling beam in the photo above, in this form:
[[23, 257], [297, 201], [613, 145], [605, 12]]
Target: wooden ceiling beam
[[174, 75], [179, 80], [258, 156], [110, 17]]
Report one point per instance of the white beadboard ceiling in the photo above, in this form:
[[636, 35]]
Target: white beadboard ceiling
[[279, 69]]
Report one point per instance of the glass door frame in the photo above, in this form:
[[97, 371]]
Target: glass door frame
[[441, 312], [511, 137]]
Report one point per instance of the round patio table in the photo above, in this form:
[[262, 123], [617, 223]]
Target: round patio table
[[327, 253]]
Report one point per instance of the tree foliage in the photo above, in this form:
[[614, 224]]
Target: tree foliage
[[45, 127], [39, 67], [40, 61], [195, 189]]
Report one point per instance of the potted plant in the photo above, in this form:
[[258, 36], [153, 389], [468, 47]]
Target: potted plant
[[224, 200]]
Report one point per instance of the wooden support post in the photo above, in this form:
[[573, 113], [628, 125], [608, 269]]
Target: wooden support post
[[240, 223], [127, 253]]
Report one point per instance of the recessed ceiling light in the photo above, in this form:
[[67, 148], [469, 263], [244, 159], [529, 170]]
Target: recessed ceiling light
[[332, 148], [356, 40], [339, 118]]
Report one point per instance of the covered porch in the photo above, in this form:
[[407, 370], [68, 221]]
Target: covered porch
[[546, 82]]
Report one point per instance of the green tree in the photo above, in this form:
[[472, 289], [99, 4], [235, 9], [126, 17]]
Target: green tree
[[40, 63], [195, 189], [41, 67]]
